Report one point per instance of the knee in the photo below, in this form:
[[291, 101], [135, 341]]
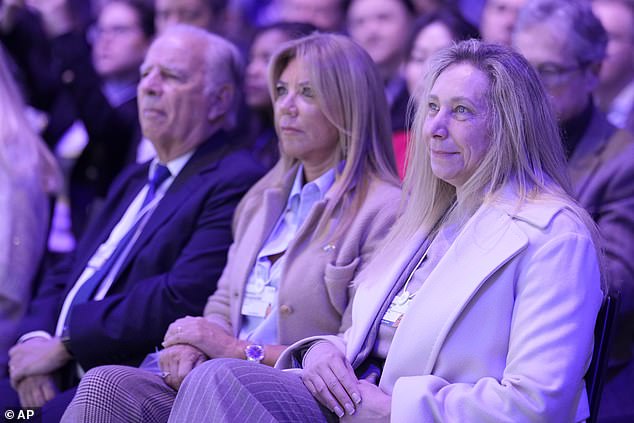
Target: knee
[[104, 378], [212, 373], [211, 369]]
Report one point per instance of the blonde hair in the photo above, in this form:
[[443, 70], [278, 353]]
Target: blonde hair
[[525, 148], [350, 94], [21, 149]]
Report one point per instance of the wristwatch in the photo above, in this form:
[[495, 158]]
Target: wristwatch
[[254, 352]]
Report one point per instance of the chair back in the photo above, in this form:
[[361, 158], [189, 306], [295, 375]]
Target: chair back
[[595, 376]]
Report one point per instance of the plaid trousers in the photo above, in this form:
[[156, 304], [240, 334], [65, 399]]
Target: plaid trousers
[[237, 391], [120, 394]]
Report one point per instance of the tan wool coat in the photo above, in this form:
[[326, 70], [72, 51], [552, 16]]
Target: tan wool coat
[[315, 289]]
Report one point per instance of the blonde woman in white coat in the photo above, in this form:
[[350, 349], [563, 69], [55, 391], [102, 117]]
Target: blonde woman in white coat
[[481, 304]]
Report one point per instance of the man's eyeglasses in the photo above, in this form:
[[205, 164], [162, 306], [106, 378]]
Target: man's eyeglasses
[[553, 74], [113, 31]]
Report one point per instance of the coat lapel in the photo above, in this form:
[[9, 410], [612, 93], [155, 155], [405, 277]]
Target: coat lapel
[[259, 229], [487, 242], [378, 280]]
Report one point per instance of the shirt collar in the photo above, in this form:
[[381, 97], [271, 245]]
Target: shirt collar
[[174, 165], [323, 183]]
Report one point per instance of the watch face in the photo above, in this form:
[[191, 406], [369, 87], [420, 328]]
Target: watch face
[[254, 352]]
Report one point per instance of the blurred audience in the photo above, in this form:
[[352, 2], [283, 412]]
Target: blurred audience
[[301, 234], [206, 14], [431, 33], [498, 19], [256, 88], [466, 314], [566, 43], [104, 93], [615, 92], [79, 79], [424, 7], [327, 15], [156, 250], [90, 99], [382, 27], [29, 177]]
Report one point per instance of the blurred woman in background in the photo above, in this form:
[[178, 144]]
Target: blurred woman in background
[[432, 32], [29, 177], [256, 89]]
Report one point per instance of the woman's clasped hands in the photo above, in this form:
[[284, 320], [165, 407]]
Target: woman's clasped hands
[[328, 375]]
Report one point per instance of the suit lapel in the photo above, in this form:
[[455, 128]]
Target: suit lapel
[[201, 164], [488, 241], [98, 234], [587, 155]]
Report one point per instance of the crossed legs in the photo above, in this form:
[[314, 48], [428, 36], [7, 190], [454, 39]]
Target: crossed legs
[[237, 391], [110, 394]]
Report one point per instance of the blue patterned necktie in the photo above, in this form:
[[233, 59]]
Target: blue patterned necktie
[[161, 173]]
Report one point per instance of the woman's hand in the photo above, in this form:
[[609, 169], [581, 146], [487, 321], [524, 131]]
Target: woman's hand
[[331, 379], [177, 361], [208, 337], [375, 405]]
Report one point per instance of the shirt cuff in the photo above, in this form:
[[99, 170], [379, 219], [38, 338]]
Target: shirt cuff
[[34, 334]]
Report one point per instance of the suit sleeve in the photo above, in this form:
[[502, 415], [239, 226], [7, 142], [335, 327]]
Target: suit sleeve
[[123, 327], [550, 343], [615, 218]]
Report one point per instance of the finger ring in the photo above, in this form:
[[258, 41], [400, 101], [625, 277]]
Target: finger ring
[[165, 374]]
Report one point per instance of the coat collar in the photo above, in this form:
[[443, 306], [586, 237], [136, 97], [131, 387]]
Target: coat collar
[[489, 239], [273, 203]]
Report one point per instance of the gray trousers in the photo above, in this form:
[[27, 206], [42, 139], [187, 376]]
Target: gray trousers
[[237, 391], [118, 394]]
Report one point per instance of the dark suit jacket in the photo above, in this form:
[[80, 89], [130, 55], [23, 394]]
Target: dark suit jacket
[[171, 269], [602, 173]]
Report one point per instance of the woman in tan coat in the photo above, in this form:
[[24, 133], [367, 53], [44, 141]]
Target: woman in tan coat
[[302, 233]]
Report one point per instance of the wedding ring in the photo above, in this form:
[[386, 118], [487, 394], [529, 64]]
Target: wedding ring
[[165, 374]]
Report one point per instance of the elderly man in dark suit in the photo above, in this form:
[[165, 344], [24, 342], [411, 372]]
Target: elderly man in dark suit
[[160, 244]]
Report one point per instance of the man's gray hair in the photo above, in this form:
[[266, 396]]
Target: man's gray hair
[[223, 63], [585, 35]]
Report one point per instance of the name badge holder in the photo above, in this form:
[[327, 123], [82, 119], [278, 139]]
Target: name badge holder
[[401, 302]]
